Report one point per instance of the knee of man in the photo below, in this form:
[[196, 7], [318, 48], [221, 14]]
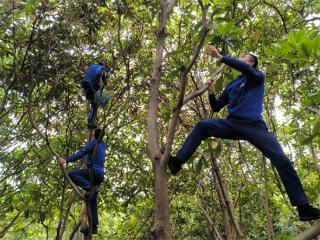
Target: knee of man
[[71, 174], [201, 125], [282, 161]]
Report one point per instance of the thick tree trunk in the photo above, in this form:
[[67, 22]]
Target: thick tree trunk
[[162, 228]]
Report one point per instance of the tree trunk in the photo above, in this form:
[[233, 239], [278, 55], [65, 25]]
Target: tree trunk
[[228, 201], [265, 202], [162, 228], [215, 234], [223, 206], [310, 233], [83, 215]]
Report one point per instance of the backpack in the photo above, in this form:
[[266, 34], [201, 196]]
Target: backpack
[[101, 98]]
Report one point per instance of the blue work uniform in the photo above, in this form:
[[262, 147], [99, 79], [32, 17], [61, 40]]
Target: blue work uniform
[[91, 84], [81, 177], [244, 100]]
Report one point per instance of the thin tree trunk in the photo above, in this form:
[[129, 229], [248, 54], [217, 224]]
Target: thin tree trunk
[[65, 219], [74, 231], [215, 234], [314, 158], [223, 206], [83, 216], [59, 231], [228, 201], [265, 202]]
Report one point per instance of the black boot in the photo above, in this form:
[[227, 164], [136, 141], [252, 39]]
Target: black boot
[[86, 230], [308, 213], [174, 165], [94, 190]]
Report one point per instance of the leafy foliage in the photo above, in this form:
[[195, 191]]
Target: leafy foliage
[[45, 47]]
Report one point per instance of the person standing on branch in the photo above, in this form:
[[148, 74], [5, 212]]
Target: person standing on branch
[[91, 83], [244, 98], [96, 153]]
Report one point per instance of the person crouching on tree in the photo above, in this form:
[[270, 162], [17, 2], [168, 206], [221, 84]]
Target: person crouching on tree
[[96, 153], [91, 83]]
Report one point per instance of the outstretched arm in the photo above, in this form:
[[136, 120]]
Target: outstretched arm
[[252, 73], [87, 149]]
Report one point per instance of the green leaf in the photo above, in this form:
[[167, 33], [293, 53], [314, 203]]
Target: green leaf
[[316, 128], [28, 8], [225, 29], [291, 39], [228, 28], [218, 85], [304, 49], [211, 69], [199, 165], [300, 35], [315, 98], [171, 103], [175, 52], [307, 140], [316, 43]]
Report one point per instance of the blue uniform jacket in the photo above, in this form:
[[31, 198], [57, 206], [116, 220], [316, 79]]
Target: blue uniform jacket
[[98, 160], [244, 95], [93, 74]]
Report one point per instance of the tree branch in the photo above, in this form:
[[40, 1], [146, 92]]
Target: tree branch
[[204, 88], [170, 7], [44, 137], [6, 228], [183, 83], [310, 233]]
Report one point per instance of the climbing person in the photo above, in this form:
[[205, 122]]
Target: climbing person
[[95, 169], [244, 98], [91, 83]]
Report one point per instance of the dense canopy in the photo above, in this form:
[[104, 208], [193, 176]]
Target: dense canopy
[[45, 47]]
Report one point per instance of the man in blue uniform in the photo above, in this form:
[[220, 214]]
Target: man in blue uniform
[[244, 98], [91, 83], [95, 161]]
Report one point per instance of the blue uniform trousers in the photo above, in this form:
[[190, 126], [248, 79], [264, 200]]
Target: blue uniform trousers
[[89, 92], [81, 178], [258, 135]]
